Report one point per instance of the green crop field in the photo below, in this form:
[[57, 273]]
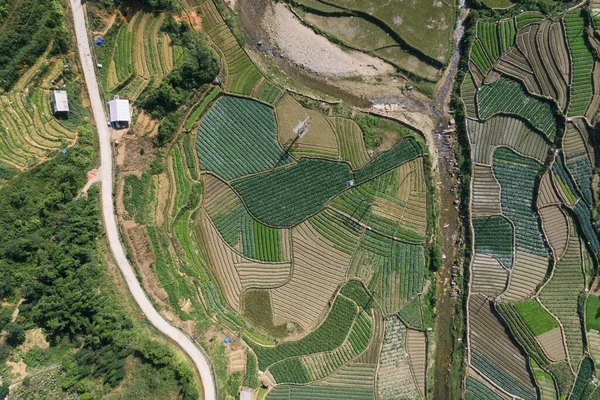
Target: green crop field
[[238, 137], [509, 96], [583, 63], [535, 317], [494, 236], [516, 175]]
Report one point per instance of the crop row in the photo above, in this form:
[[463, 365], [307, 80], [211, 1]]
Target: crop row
[[494, 236], [522, 333], [195, 264], [561, 296], [340, 230], [582, 63], [350, 138], [501, 378], [232, 223], [527, 18], [406, 150], [286, 196], [269, 92], [488, 35], [479, 56], [267, 242], [583, 377], [122, 53], [328, 336], [478, 391], [238, 137], [516, 175], [507, 34], [182, 183], [321, 365], [200, 107], [581, 169], [241, 74], [507, 96]]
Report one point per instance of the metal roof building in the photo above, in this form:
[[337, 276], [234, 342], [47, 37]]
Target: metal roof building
[[119, 110], [59, 101]]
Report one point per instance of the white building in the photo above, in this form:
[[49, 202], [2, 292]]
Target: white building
[[59, 101], [120, 113]]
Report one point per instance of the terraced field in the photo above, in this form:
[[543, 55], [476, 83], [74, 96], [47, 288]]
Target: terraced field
[[137, 53], [531, 202], [29, 133]]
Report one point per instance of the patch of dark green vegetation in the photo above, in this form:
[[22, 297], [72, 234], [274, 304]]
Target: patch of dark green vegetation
[[238, 137], [494, 236], [355, 290]]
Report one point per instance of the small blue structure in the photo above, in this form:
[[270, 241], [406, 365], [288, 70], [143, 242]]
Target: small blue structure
[[227, 340], [64, 151], [99, 41]]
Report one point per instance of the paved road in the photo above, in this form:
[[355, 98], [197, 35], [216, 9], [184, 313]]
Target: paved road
[[110, 224]]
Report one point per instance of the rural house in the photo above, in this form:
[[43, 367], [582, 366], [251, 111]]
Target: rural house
[[59, 102], [120, 114]]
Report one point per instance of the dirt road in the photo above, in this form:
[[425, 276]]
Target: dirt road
[[110, 222]]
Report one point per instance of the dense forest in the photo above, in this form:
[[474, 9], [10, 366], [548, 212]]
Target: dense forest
[[49, 260]]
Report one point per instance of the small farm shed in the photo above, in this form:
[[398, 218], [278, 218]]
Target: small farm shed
[[246, 393], [120, 114], [59, 101]]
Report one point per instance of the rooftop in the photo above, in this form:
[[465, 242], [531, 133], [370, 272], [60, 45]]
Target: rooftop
[[119, 110], [59, 101]]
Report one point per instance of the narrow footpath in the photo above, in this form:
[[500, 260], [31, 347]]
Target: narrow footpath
[[110, 222]]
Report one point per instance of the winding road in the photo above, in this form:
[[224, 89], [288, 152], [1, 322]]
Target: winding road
[[185, 343]]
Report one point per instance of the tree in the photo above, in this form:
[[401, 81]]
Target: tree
[[16, 334]]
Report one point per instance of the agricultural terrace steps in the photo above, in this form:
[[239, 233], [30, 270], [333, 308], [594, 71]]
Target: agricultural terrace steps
[[187, 344]]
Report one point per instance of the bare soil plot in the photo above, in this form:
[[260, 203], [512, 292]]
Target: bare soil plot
[[552, 343], [318, 269], [488, 276], [527, 273], [547, 193], [556, 226], [416, 345], [485, 197]]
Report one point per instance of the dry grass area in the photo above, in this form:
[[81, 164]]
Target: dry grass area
[[302, 46], [319, 140]]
